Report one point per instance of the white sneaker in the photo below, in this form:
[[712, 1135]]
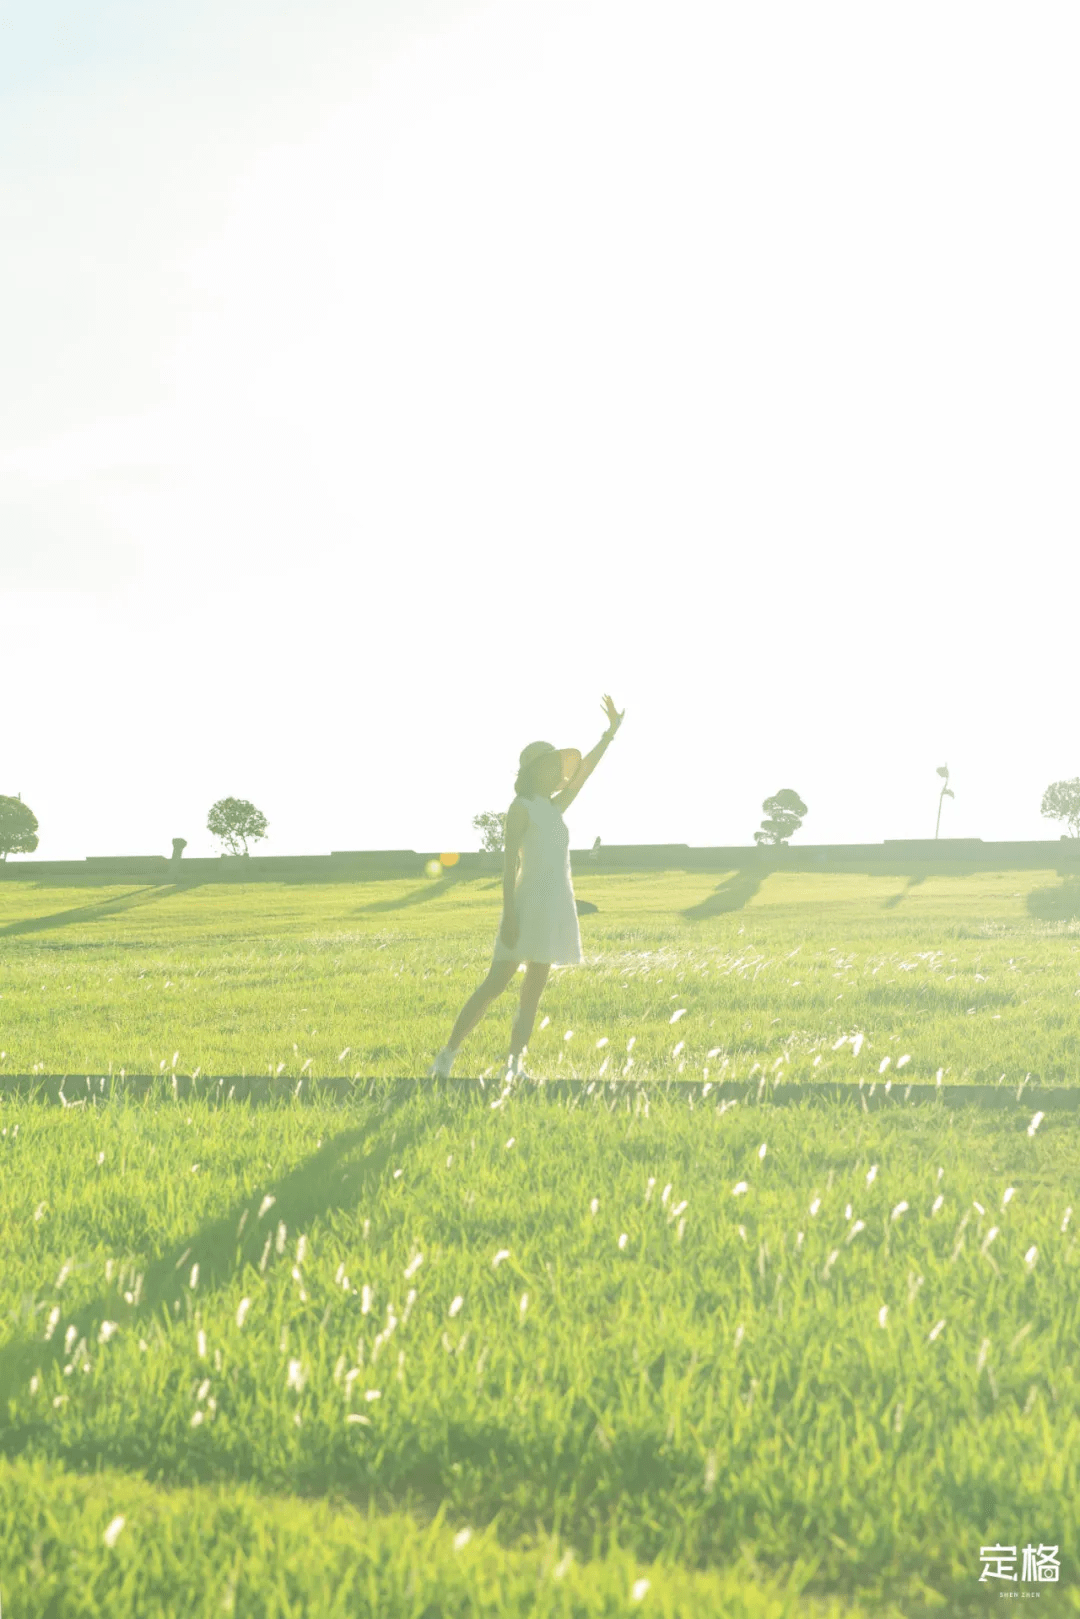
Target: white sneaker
[[444, 1061]]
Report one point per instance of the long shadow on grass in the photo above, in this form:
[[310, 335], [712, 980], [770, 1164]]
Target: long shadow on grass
[[894, 899], [576, 1486], [419, 896], [733, 893], [1059, 904], [93, 913], [322, 1184]]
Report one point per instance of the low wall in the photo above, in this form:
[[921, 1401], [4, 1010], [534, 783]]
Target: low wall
[[904, 857]]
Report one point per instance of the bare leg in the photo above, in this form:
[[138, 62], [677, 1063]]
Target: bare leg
[[535, 978], [480, 999]]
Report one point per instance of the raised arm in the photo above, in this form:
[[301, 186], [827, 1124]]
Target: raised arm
[[591, 760]]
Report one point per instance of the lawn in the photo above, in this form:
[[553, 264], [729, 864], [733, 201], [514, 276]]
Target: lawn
[[468, 1351], [367, 978]]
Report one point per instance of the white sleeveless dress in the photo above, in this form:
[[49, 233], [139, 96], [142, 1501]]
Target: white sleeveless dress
[[543, 892]]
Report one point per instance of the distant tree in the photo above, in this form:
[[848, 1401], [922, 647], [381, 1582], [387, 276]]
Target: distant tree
[[946, 792], [1061, 801], [18, 828], [494, 829], [234, 821], [785, 811]]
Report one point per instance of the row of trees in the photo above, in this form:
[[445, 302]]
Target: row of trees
[[784, 814], [236, 822], [784, 811]]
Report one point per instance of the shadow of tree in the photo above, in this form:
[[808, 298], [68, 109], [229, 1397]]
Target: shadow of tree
[[94, 913], [431, 889], [894, 899], [1060, 904], [733, 894], [327, 1181]]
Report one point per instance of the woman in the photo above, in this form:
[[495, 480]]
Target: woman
[[539, 921]]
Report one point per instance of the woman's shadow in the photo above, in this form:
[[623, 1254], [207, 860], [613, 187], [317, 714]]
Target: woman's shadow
[[338, 1176]]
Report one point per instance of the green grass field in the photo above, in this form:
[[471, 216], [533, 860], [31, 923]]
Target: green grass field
[[368, 977], [452, 1351]]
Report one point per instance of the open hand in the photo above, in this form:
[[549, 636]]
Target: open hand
[[615, 719]]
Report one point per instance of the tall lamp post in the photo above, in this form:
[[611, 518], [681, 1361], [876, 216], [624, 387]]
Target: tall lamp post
[[943, 770]]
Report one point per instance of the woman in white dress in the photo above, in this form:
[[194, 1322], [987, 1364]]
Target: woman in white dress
[[539, 922]]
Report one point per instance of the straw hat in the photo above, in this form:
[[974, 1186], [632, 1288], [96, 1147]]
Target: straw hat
[[571, 758]]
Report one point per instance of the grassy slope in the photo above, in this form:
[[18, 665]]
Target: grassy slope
[[973, 975], [621, 1404], [623, 1417], [208, 1550]]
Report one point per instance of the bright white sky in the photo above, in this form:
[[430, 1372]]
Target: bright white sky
[[380, 385]]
